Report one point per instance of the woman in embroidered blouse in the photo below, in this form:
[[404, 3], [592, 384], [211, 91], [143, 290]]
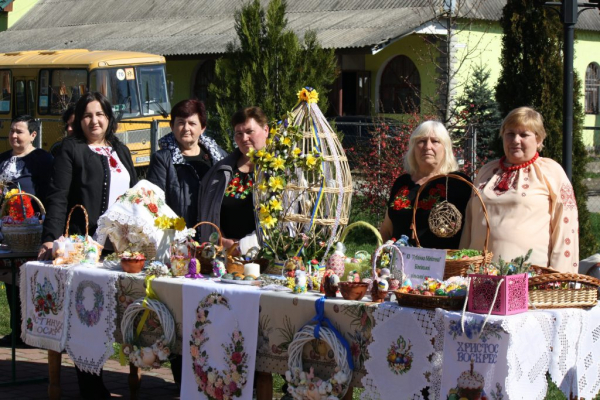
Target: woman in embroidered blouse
[[226, 196], [186, 155], [429, 154], [92, 168], [529, 199]]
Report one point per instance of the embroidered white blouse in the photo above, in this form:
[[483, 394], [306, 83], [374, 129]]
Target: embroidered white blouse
[[119, 176], [538, 211]]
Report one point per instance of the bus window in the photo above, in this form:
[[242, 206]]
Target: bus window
[[20, 99], [31, 96], [118, 85], [5, 94], [153, 90], [63, 87]]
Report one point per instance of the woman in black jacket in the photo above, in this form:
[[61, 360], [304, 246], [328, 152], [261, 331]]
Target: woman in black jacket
[[186, 155], [92, 168]]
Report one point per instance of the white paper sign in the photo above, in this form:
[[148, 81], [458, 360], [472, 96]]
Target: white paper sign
[[420, 263]]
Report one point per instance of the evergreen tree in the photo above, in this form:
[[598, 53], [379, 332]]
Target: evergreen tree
[[532, 75], [480, 111], [267, 66]]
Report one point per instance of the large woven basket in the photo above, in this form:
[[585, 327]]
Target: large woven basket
[[457, 267], [543, 295], [23, 238]]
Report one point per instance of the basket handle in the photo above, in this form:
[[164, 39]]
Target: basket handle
[[21, 194], [69, 219], [562, 277], [363, 225], [398, 253], [214, 226], [413, 226]]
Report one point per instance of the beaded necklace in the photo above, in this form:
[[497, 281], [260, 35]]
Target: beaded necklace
[[503, 185]]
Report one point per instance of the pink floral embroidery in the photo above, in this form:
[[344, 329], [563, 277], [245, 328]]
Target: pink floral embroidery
[[568, 241], [567, 196], [566, 220], [567, 253]]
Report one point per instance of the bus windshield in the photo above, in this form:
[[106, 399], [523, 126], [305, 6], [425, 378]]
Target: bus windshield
[[153, 90], [118, 85]]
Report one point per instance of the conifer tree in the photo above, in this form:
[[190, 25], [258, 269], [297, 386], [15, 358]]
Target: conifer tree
[[267, 66], [532, 75], [479, 110]]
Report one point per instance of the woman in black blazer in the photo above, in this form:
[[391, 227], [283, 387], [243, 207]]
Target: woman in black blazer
[[92, 168]]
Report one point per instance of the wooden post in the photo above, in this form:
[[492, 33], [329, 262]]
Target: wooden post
[[54, 361], [135, 380], [348, 395], [264, 386]]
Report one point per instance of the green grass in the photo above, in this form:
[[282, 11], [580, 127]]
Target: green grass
[[591, 175], [4, 312]]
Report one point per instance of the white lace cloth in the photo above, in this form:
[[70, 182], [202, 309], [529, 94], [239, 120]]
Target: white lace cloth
[[131, 222], [44, 302], [411, 335], [92, 315], [563, 342]]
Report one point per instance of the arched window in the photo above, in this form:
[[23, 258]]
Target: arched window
[[204, 76], [400, 87], [592, 84]]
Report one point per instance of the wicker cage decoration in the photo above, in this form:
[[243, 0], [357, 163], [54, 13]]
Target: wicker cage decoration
[[25, 236], [303, 185], [456, 267]]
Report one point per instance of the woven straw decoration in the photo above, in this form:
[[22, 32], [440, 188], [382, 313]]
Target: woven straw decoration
[[305, 214]]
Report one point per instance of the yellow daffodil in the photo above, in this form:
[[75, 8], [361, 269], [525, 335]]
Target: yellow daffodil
[[296, 152], [251, 152], [273, 131], [275, 205], [277, 163], [310, 96], [286, 141], [264, 210], [268, 157], [268, 221], [311, 160], [276, 183], [162, 222], [262, 187], [260, 153], [179, 224]]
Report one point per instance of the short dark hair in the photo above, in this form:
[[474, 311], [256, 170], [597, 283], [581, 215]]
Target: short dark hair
[[244, 114], [80, 107], [70, 110], [32, 124], [187, 108]]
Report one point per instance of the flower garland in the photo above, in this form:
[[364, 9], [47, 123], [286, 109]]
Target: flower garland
[[218, 385], [92, 316], [148, 357]]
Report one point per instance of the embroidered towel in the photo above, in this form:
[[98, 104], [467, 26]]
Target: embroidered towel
[[220, 330], [44, 303], [92, 313]]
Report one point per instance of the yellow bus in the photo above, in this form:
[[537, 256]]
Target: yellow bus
[[44, 83]]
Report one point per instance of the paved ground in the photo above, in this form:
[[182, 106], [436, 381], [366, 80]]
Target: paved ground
[[32, 363]]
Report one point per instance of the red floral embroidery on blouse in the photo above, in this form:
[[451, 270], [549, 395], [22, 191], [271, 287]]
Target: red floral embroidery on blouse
[[400, 200], [239, 188], [567, 253], [435, 194]]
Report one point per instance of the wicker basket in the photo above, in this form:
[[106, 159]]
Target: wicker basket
[[362, 224], [541, 297], [206, 267], [379, 295], [430, 302], [23, 238], [78, 255], [457, 267]]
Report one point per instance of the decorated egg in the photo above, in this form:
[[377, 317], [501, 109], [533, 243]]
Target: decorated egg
[[407, 282], [385, 272], [227, 276], [383, 285], [440, 292], [426, 293], [394, 284], [249, 278]]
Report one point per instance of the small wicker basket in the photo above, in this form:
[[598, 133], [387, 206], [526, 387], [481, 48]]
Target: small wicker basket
[[206, 267], [79, 254], [429, 302], [457, 267], [23, 238], [540, 296], [378, 295]]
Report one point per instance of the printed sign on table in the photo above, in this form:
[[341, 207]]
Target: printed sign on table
[[420, 263]]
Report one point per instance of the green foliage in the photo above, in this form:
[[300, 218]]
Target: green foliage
[[480, 109], [532, 75], [267, 66]]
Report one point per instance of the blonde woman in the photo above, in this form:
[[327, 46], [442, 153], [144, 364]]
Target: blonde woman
[[429, 154], [529, 200]]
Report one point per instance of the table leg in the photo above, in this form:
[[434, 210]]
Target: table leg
[[135, 381], [54, 361], [264, 386]]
